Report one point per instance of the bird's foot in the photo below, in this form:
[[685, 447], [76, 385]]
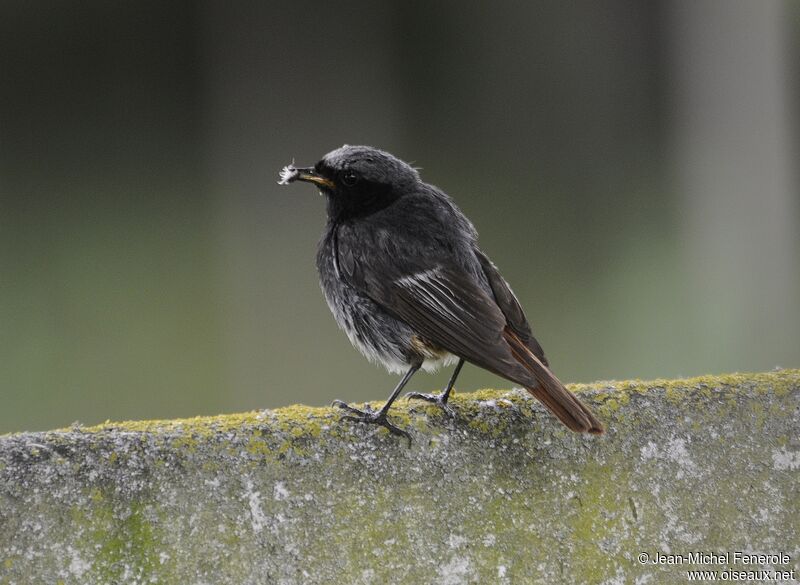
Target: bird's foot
[[369, 416], [438, 399]]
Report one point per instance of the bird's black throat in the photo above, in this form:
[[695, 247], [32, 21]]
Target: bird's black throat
[[363, 200]]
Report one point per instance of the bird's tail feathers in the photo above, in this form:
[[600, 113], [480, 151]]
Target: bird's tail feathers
[[551, 392]]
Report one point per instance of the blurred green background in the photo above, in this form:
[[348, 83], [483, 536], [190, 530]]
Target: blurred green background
[[631, 167]]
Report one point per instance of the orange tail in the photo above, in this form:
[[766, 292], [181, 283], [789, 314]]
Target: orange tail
[[552, 393]]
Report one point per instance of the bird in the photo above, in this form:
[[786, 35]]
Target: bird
[[401, 271]]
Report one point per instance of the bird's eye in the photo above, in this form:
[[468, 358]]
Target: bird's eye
[[349, 177]]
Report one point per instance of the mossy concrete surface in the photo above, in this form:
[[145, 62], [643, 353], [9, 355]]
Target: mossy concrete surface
[[500, 494]]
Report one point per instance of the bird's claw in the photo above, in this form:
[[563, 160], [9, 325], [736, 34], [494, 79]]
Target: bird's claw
[[370, 416], [437, 399], [344, 406]]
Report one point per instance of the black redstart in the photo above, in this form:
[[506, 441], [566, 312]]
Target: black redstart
[[402, 273]]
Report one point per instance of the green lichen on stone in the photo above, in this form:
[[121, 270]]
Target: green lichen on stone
[[500, 494]]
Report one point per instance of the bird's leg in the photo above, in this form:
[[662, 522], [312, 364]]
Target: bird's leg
[[378, 417], [440, 399]]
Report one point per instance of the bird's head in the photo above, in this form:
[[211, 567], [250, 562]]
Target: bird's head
[[357, 180]]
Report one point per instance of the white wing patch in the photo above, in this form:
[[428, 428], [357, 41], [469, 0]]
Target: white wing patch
[[430, 289]]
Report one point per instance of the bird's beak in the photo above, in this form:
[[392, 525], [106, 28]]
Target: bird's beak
[[309, 175]]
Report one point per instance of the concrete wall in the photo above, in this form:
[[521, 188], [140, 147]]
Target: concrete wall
[[501, 494]]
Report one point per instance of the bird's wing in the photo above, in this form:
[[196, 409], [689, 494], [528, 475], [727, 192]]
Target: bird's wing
[[440, 302], [453, 313], [509, 305]]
